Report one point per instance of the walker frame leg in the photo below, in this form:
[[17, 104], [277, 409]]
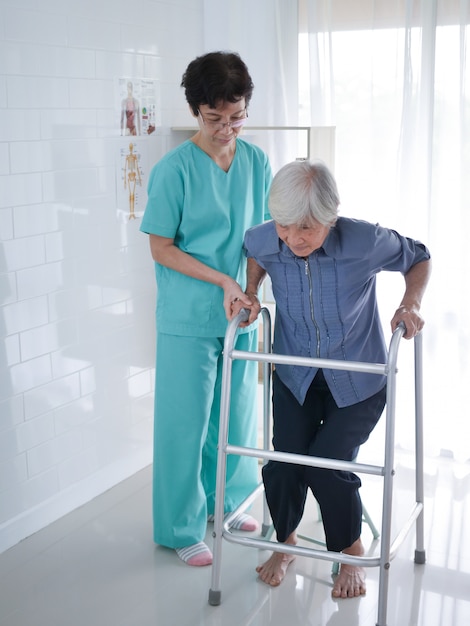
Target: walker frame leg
[[420, 553], [215, 590]]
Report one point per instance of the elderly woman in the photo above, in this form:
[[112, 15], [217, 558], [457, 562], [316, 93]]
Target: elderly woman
[[202, 196], [323, 271]]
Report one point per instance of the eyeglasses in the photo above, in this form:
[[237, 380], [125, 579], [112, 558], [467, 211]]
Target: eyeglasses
[[238, 123]]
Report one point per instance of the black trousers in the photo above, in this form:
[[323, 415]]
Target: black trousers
[[318, 428]]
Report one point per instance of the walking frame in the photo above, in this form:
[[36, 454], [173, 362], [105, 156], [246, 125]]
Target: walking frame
[[388, 549]]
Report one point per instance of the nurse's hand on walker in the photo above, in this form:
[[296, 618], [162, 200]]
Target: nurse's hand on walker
[[234, 298]]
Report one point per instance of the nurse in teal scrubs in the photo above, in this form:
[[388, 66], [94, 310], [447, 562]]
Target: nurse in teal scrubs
[[202, 197]]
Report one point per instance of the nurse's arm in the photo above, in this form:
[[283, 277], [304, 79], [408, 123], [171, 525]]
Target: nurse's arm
[[165, 253]]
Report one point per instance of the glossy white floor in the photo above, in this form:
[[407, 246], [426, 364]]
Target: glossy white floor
[[98, 566]]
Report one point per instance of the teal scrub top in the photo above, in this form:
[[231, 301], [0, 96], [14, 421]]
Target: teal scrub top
[[206, 211]]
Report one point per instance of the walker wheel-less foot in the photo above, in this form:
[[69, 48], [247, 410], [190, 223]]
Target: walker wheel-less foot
[[214, 597], [267, 530], [420, 557]]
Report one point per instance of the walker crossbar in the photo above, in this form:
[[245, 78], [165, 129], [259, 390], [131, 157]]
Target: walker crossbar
[[300, 459], [352, 366], [387, 548]]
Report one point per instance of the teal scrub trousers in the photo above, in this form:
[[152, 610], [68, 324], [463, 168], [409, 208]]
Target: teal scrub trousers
[[187, 408]]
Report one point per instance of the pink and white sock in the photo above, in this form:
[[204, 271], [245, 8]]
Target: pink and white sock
[[244, 522], [197, 555], [240, 522]]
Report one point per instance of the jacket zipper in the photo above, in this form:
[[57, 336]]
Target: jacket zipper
[[312, 312]]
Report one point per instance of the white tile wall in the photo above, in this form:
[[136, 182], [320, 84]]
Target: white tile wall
[[3, 92], [4, 165], [24, 314], [20, 189], [41, 92], [17, 125], [77, 292], [28, 156], [33, 25]]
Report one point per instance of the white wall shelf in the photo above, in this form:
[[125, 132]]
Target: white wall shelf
[[319, 142]]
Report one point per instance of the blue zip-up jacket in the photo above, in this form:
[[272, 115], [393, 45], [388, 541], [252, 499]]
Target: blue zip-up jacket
[[326, 304]]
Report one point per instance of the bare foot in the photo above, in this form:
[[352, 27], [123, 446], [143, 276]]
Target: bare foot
[[273, 571], [351, 580]]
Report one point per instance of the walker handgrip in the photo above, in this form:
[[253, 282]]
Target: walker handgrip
[[242, 316], [402, 325]]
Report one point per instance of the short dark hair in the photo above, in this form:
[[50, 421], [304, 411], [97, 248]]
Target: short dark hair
[[216, 77]]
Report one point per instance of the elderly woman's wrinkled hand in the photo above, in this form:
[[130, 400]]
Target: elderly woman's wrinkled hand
[[411, 318]]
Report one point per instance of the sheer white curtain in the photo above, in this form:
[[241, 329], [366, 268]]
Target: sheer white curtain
[[265, 34], [393, 77]]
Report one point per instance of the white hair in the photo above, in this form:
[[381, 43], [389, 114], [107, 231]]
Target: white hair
[[302, 192]]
